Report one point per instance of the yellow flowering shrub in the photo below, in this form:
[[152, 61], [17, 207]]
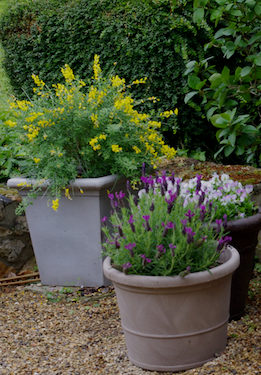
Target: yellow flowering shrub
[[92, 132]]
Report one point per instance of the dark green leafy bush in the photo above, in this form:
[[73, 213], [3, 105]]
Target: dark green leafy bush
[[137, 38]]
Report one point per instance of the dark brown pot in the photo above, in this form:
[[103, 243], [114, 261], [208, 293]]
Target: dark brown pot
[[244, 233]]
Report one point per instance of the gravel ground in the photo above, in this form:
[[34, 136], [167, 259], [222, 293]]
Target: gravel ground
[[78, 332]]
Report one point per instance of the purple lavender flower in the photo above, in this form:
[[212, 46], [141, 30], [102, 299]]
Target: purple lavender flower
[[146, 218], [120, 231], [168, 226], [111, 196], [145, 181], [119, 195], [128, 186], [190, 235], [184, 223], [126, 266], [104, 219], [219, 223], [172, 247], [189, 215], [130, 247], [198, 187], [223, 242], [172, 178], [135, 200], [131, 221], [202, 213], [152, 207], [145, 260], [161, 251], [201, 197]]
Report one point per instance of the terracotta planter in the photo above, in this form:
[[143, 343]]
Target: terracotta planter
[[244, 234], [67, 242], [175, 323]]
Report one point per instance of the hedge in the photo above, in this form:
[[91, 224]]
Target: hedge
[[136, 38]]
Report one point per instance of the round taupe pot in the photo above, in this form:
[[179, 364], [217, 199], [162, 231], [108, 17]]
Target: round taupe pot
[[173, 323]]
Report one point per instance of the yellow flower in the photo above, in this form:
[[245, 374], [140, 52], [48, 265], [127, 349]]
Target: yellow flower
[[55, 203], [10, 123], [167, 113], [96, 67], [52, 152], [93, 141], [138, 81], [176, 111], [96, 147], [117, 81], [38, 81], [102, 136], [116, 148], [67, 73], [36, 160], [136, 149], [67, 194]]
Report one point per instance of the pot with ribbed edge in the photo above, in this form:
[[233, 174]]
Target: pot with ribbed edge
[[67, 242], [174, 323]]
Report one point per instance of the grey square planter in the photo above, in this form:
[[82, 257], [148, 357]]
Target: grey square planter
[[67, 242]]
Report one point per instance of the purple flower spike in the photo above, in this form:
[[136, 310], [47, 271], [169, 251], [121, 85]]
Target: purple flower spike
[[172, 178], [189, 215], [120, 231], [104, 219], [202, 213], [172, 247], [126, 266], [135, 200], [130, 247], [145, 260], [111, 196], [121, 195], [219, 223], [161, 249], [190, 235], [146, 218], [128, 186], [223, 242], [198, 187]]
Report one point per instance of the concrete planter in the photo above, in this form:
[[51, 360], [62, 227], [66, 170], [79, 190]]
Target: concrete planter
[[175, 323], [67, 242]]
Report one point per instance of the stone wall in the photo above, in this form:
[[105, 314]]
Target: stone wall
[[15, 241]]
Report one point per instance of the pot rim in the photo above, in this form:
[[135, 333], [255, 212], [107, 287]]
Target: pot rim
[[230, 257], [92, 183]]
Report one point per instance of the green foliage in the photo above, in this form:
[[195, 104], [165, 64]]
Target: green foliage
[[12, 150], [69, 133], [231, 96], [162, 234], [143, 38]]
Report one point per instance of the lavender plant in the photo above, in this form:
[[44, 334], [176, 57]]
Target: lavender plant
[[159, 235], [229, 197]]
